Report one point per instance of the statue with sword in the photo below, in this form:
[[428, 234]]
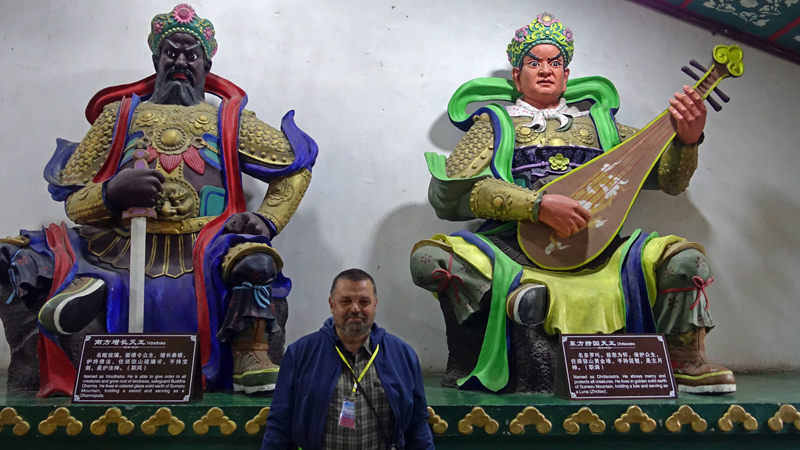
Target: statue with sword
[[554, 175], [164, 241]]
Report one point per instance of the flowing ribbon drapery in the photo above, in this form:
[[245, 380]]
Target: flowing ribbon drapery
[[261, 292], [699, 286], [446, 278]]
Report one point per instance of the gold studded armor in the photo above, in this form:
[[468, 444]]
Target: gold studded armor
[[262, 144], [499, 200], [461, 198], [86, 206], [237, 252], [171, 130], [677, 166], [92, 152], [283, 197], [582, 133], [474, 153]]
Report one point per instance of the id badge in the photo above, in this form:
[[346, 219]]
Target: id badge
[[347, 418]]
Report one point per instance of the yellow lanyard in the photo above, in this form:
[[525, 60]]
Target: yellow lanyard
[[355, 383]]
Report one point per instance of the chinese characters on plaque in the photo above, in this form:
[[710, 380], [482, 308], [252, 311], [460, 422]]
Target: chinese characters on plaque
[[614, 366], [119, 368]]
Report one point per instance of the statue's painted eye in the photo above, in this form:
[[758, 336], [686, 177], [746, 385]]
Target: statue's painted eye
[[192, 56]]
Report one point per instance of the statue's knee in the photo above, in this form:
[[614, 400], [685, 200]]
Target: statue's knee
[[255, 268], [684, 266]]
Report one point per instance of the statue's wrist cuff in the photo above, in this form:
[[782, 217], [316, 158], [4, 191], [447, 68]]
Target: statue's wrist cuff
[[537, 203], [273, 230], [116, 210], [680, 144]]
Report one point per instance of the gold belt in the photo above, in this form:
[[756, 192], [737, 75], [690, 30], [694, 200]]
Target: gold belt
[[165, 227]]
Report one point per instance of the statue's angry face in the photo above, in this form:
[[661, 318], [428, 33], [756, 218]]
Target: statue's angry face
[[181, 69], [542, 76]]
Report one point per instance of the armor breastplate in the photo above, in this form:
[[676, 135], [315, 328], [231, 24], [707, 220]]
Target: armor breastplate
[[541, 157], [182, 144]]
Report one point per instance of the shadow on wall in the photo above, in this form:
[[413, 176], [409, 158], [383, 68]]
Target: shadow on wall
[[406, 310], [656, 211], [303, 246], [766, 243], [443, 134]]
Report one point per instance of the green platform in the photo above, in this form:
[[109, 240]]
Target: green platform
[[760, 396]]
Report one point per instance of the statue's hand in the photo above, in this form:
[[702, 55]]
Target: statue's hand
[[247, 223], [135, 187], [688, 115], [563, 214]]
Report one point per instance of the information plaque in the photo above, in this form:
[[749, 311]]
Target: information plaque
[[138, 368], [619, 366]]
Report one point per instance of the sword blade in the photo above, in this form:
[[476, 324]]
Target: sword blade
[[137, 266]]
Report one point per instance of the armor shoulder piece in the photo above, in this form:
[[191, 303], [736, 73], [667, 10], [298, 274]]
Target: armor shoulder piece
[[92, 152], [263, 144], [474, 153], [625, 132]]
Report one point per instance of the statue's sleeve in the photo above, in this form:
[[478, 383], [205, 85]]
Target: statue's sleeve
[[268, 154], [468, 189], [75, 169], [674, 169]]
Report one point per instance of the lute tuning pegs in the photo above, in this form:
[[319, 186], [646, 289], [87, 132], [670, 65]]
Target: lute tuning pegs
[[714, 104]]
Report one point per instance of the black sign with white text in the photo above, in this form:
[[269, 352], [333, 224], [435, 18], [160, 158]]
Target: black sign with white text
[[619, 366], [138, 368]]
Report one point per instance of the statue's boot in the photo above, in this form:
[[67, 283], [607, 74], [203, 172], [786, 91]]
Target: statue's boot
[[75, 307], [250, 319], [253, 371], [693, 372], [527, 305]]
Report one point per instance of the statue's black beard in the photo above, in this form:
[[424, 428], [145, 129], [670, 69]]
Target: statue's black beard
[[174, 92]]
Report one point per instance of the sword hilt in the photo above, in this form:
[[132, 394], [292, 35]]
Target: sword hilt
[[140, 162]]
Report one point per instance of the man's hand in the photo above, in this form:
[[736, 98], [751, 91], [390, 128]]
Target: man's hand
[[563, 214], [688, 115], [135, 187], [247, 223]]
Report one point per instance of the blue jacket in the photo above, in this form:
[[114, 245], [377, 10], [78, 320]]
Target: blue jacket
[[307, 379]]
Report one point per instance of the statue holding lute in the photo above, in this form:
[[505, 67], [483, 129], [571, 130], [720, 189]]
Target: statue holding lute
[[555, 175]]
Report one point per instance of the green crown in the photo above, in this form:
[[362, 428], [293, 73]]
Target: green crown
[[182, 19]]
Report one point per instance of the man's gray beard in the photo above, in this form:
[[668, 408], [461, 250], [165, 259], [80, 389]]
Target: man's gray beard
[[355, 329], [174, 92]]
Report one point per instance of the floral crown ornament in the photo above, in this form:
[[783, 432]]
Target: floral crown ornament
[[546, 29], [182, 19]]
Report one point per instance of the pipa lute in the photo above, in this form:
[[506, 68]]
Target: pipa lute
[[608, 185]]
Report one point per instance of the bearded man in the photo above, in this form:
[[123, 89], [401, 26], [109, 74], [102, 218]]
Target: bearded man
[[350, 385], [210, 265], [483, 178]]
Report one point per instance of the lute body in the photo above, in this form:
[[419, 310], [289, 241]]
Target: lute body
[[608, 185]]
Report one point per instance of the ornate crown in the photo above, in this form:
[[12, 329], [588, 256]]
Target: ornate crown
[[182, 19], [546, 29]]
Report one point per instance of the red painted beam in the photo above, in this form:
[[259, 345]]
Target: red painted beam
[[784, 30]]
